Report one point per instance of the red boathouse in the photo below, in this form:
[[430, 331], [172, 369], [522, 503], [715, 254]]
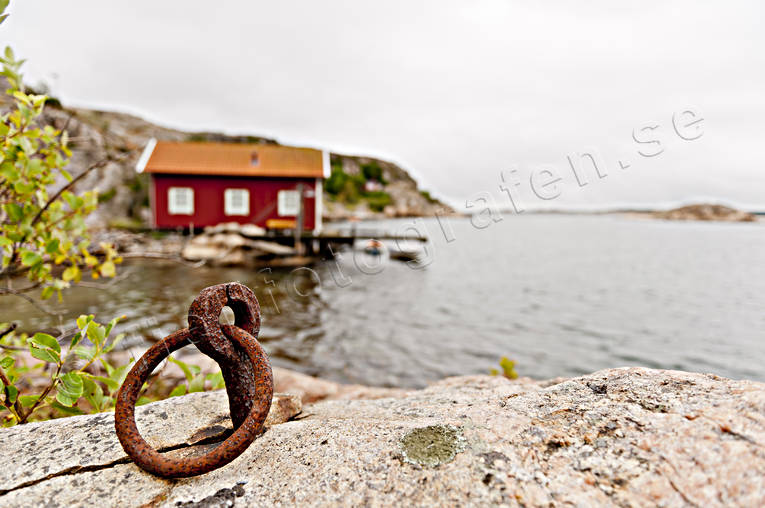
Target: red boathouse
[[203, 184]]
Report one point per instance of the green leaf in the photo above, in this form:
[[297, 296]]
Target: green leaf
[[216, 380], [46, 355], [114, 343], [83, 321], [197, 384], [7, 362], [44, 340], [70, 389], [110, 325], [5, 241], [13, 392], [93, 392], [108, 269], [30, 258], [52, 246], [70, 411], [178, 391], [15, 212], [84, 352], [107, 366], [70, 273], [23, 187], [47, 292], [120, 373], [508, 368], [75, 340], [112, 384], [142, 401], [96, 333], [185, 368], [28, 400]]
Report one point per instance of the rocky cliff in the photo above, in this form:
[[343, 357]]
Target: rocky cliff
[[114, 141], [619, 437]]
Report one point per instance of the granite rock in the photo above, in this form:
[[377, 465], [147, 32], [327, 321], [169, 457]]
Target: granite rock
[[618, 437]]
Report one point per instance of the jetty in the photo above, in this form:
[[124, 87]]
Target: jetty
[[241, 244]]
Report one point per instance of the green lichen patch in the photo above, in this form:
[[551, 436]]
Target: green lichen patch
[[433, 445]]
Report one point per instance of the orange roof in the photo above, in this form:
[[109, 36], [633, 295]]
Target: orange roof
[[231, 159]]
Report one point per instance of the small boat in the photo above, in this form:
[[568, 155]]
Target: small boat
[[404, 255], [374, 247]]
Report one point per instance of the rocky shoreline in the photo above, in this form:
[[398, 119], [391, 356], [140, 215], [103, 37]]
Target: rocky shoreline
[[618, 437]]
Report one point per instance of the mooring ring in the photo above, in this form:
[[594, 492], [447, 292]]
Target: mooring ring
[[244, 433], [207, 335]]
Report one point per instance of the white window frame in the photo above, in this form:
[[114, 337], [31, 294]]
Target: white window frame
[[229, 205], [288, 203], [186, 204]]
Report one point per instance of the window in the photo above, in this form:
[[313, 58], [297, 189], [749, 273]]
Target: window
[[236, 202], [180, 201], [289, 202]]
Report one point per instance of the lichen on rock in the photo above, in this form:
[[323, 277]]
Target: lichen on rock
[[433, 445]]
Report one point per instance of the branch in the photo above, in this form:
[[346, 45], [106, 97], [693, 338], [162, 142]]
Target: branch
[[38, 305], [5, 332], [12, 348], [8, 330], [11, 291], [53, 383], [69, 185], [102, 285], [152, 255], [15, 409]]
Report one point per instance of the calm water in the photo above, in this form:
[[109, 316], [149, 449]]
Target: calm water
[[562, 295]]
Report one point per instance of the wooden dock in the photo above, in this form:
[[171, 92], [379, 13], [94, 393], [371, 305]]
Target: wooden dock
[[326, 243]]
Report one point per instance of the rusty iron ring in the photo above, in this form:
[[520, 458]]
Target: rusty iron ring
[[231, 346], [206, 334], [154, 462]]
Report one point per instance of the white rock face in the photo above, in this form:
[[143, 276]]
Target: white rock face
[[619, 437]]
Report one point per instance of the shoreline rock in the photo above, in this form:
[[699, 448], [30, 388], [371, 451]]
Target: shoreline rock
[[623, 437]]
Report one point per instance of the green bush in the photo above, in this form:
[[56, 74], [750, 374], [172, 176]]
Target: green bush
[[373, 171], [350, 193], [508, 368], [44, 238], [378, 200], [349, 189], [427, 196], [336, 181]]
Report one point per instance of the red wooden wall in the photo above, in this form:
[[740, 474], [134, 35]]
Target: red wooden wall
[[208, 199]]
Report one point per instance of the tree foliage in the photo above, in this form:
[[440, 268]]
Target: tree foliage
[[44, 238], [61, 386], [42, 233], [351, 188]]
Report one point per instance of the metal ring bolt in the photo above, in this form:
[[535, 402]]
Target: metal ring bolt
[[246, 371]]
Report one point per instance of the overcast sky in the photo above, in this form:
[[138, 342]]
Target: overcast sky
[[456, 92]]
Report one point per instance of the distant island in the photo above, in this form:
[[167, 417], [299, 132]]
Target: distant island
[[706, 212]]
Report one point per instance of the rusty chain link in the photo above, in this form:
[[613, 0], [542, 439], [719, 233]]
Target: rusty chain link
[[245, 368]]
